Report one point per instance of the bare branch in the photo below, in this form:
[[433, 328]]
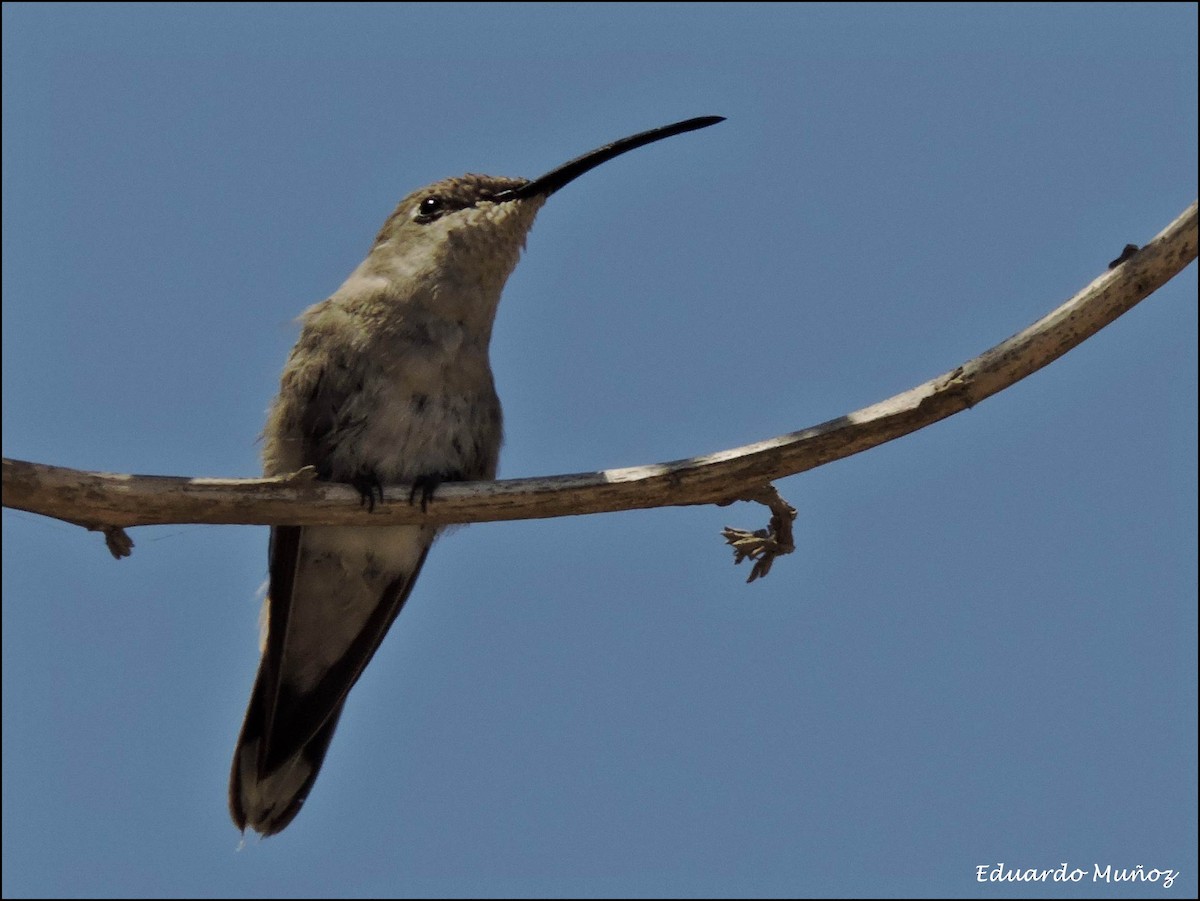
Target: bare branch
[[107, 501]]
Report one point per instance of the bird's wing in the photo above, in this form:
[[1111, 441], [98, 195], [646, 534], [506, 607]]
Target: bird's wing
[[334, 593], [339, 591]]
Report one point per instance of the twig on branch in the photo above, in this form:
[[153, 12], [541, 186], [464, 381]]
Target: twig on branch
[[764, 545], [117, 541], [108, 502]]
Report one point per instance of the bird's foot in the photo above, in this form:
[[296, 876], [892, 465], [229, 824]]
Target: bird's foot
[[368, 486], [426, 485]]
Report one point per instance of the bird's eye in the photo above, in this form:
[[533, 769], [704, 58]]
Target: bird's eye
[[429, 209]]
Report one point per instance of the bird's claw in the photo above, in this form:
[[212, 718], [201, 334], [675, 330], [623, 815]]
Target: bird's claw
[[369, 488], [425, 485]]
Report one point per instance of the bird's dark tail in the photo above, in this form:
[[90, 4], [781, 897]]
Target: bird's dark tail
[[334, 593], [267, 801]]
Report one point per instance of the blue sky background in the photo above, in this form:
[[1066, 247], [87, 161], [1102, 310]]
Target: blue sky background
[[984, 649]]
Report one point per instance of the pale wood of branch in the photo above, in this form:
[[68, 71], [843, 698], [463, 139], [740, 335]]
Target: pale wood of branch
[[104, 500]]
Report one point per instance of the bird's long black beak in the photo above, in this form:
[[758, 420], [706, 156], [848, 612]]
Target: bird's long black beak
[[568, 172]]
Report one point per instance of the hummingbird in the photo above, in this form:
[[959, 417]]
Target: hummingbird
[[388, 383]]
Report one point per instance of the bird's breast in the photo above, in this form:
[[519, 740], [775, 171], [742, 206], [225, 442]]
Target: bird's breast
[[419, 430]]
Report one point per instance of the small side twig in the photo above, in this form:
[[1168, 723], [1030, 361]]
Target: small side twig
[[1127, 253], [764, 545], [117, 540]]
